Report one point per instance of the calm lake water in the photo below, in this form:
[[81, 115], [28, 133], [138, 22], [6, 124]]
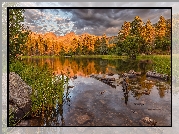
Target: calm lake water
[[94, 102]]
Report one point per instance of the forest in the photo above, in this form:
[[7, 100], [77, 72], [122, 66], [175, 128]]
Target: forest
[[133, 38]]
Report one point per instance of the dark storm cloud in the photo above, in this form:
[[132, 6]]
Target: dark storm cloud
[[104, 19], [93, 21]]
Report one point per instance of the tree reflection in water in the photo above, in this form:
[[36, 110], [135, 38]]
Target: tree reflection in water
[[71, 67]]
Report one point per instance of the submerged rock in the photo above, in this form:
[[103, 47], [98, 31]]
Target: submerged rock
[[19, 96], [109, 80]]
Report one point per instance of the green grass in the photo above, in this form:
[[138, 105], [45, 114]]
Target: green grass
[[161, 63]]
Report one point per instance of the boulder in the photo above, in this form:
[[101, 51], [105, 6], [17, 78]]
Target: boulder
[[19, 96]]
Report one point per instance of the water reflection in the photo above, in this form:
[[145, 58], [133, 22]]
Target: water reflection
[[125, 90], [73, 67], [88, 66], [106, 71]]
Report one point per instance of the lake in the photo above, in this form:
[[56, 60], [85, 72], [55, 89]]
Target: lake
[[97, 97]]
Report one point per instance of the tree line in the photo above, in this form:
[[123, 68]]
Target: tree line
[[133, 38]]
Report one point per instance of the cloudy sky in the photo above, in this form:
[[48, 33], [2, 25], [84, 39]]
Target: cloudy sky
[[93, 21]]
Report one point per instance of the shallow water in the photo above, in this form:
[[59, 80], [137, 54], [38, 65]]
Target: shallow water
[[91, 102]]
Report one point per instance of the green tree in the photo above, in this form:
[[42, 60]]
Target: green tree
[[18, 33], [97, 46], [136, 26], [103, 48], [130, 47], [136, 31]]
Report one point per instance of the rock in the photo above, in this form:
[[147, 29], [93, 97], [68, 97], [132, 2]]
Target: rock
[[19, 96], [129, 75], [110, 74], [132, 72], [109, 80], [157, 75], [82, 119], [146, 121], [138, 73]]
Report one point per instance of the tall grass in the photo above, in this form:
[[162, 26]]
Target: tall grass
[[45, 94]]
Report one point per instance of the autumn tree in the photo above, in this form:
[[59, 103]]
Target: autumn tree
[[161, 27], [125, 31], [148, 36], [84, 47], [163, 37]]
